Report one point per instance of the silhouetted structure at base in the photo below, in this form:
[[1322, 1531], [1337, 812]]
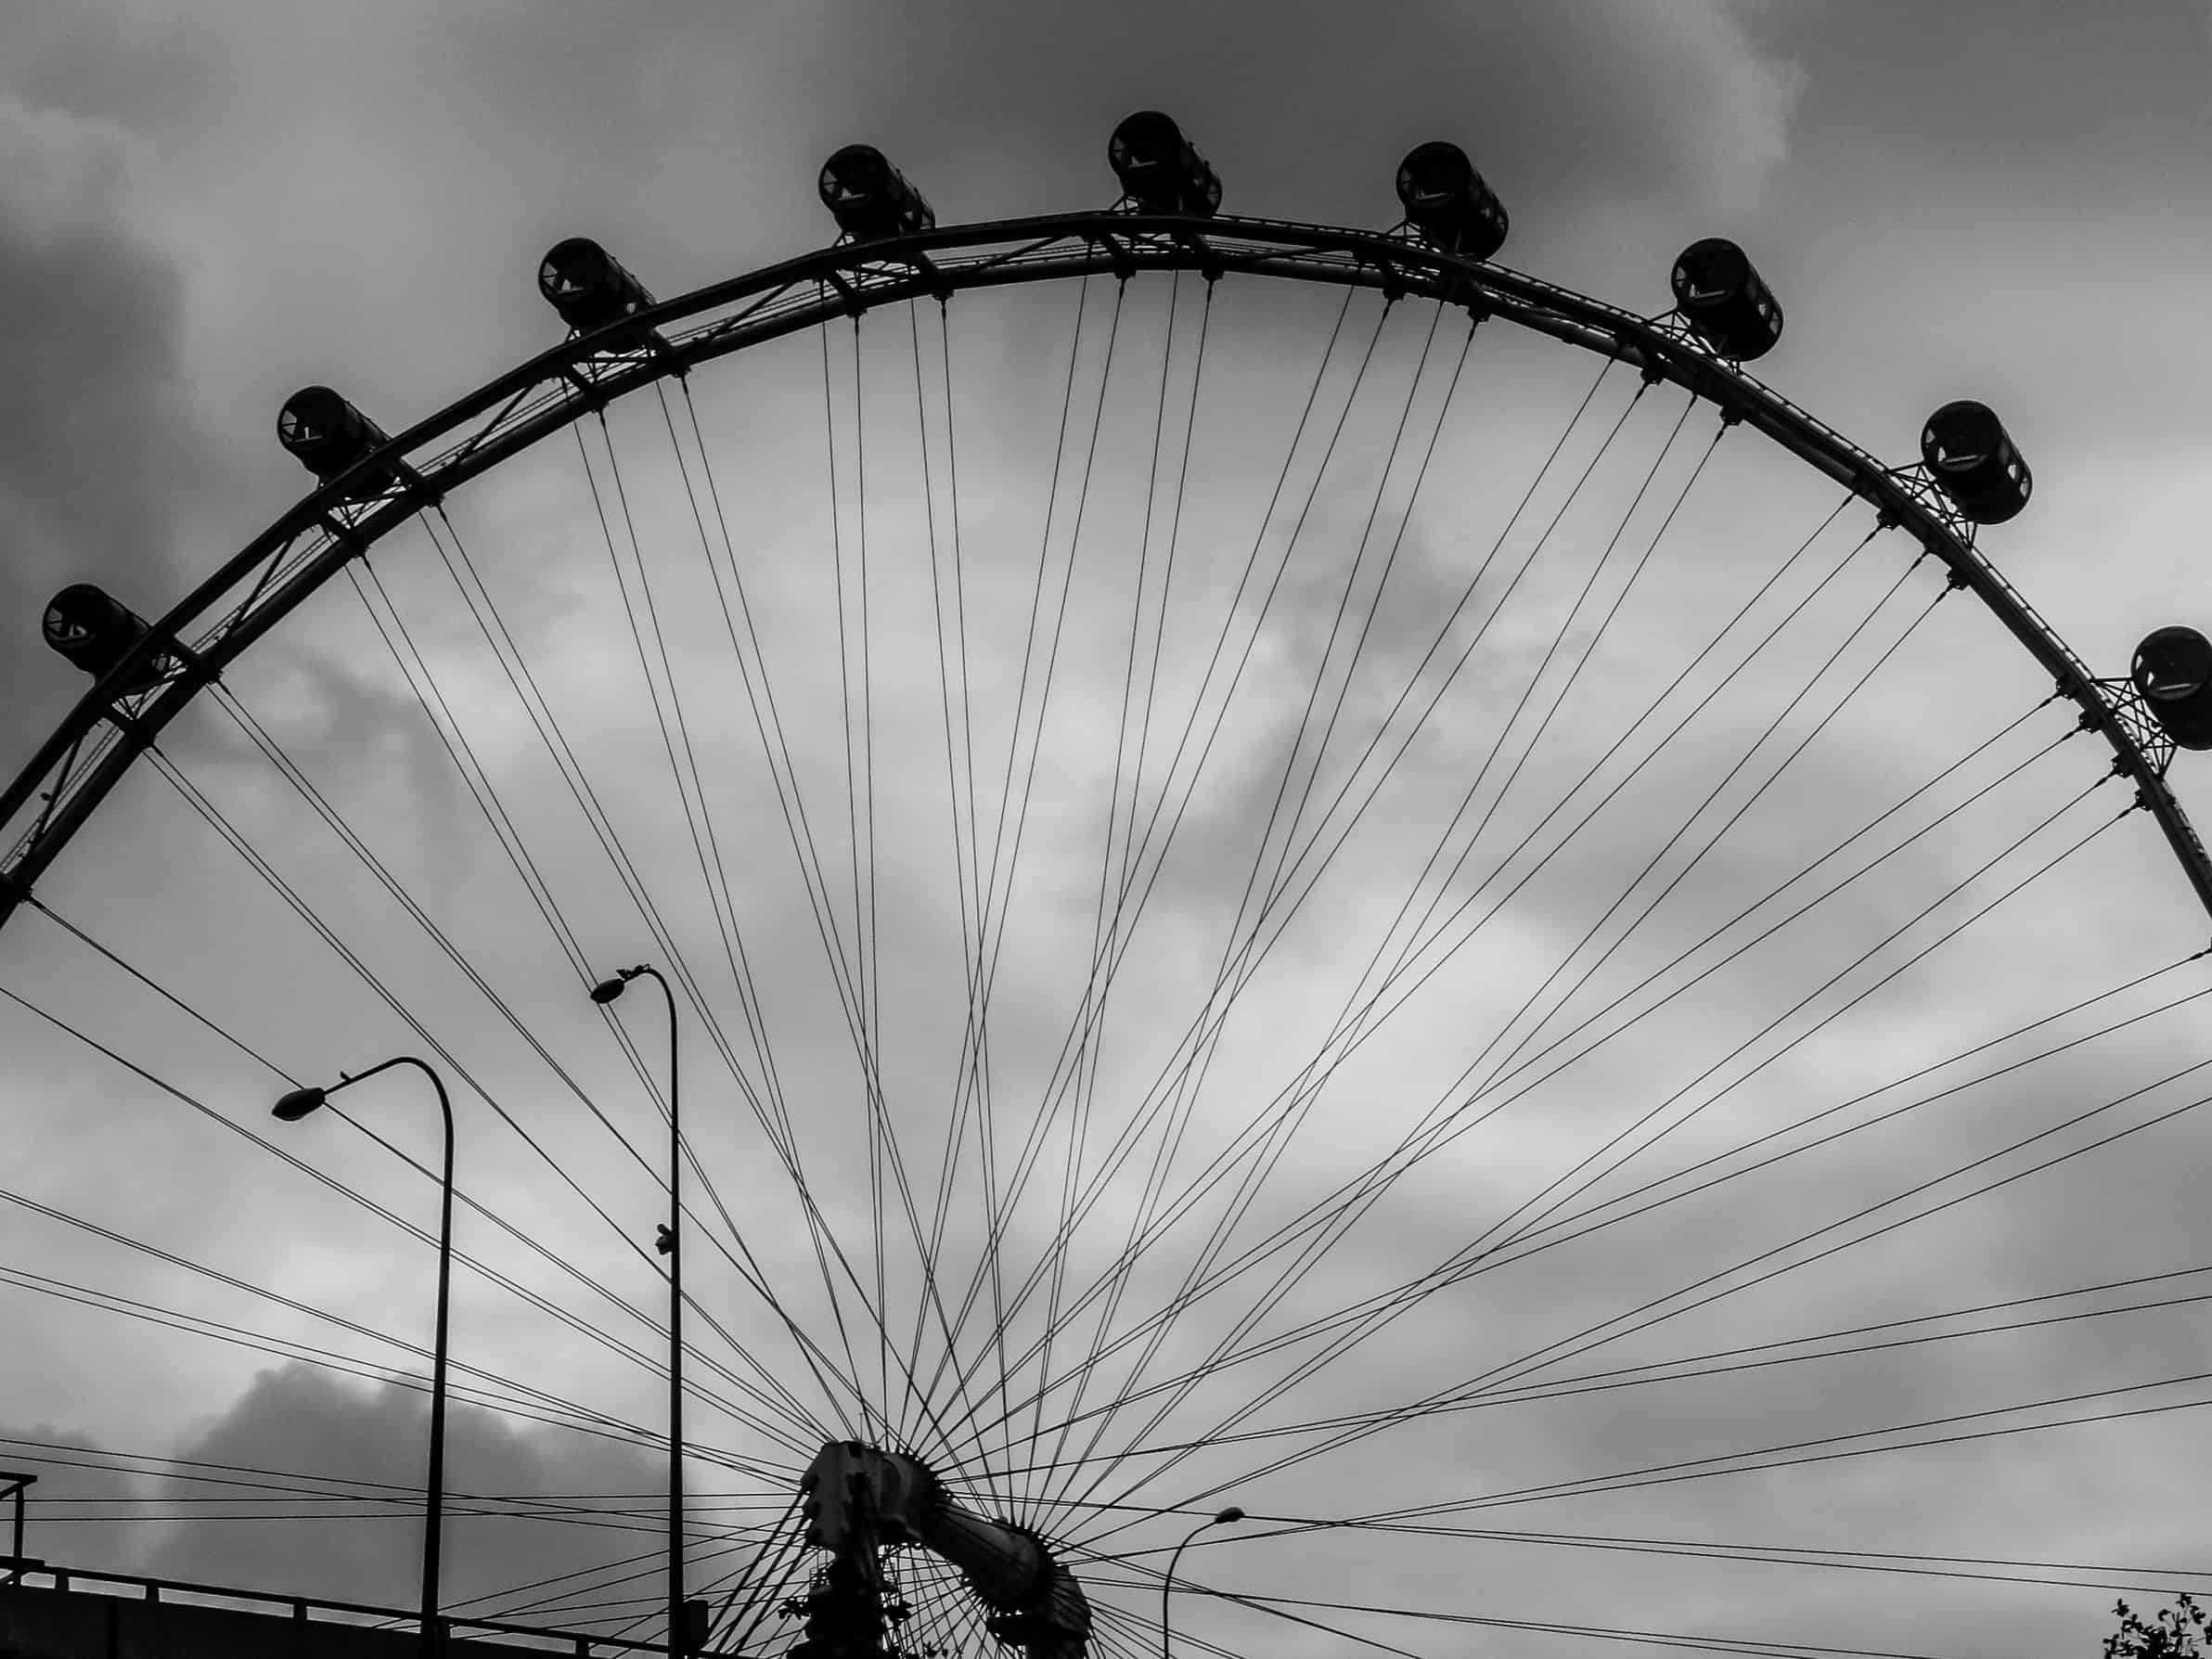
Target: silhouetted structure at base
[[45, 1614]]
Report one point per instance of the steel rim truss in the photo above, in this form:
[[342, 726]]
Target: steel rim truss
[[88, 753]]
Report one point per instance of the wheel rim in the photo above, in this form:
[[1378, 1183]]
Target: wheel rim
[[899, 730]]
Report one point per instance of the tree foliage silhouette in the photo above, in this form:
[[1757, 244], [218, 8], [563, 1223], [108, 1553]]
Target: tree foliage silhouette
[[2176, 1632]]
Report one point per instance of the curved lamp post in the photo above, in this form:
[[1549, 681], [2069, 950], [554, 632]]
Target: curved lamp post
[[1226, 1517], [291, 1108], [604, 992]]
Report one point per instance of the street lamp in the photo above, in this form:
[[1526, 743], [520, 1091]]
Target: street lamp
[[291, 1108], [1230, 1514], [604, 992]]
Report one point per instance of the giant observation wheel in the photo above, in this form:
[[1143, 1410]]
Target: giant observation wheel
[[1272, 898]]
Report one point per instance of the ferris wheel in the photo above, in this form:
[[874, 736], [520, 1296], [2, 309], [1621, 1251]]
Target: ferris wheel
[[1321, 902]]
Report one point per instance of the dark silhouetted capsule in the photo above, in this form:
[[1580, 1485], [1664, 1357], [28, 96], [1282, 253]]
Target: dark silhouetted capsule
[[2173, 670], [1971, 459], [95, 631], [328, 433], [1161, 170], [868, 197], [1723, 301], [1448, 203], [588, 286]]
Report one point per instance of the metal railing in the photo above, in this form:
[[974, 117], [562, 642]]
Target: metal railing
[[20, 1570]]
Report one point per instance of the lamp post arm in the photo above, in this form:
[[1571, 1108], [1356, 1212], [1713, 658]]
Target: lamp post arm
[[1167, 1583]]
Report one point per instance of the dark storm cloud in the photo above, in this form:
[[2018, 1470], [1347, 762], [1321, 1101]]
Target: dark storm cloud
[[70, 1516], [100, 447], [312, 1428], [1305, 107]]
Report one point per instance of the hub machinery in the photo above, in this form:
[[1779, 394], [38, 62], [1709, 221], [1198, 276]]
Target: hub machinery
[[860, 1503]]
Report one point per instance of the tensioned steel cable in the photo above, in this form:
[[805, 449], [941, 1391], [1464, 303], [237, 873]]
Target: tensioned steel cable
[[825, 1243], [770, 729], [1474, 1251], [252, 1477], [699, 822], [1585, 1224], [1172, 1076], [375, 983], [1749, 944], [884, 1153], [959, 764], [1700, 1468], [1258, 1171], [1271, 1525], [1366, 1008], [1312, 881], [1507, 1374], [1794, 1042], [763, 1425], [769, 726], [864, 1034], [582, 1421], [1696, 858], [1078, 1123], [1279, 1606], [1155, 1100], [1057, 1251], [1778, 1555], [1420, 1139], [304, 788], [1105, 919], [421, 1234], [780, 1134], [476, 597], [1123, 919], [859, 764], [1117, 1276], [1249, 1177], [972, 1069], [931, 1299], [1381, 1420], [740, 962], [1072, 1212], [1372, 1175], [231, 1282], [1191, 1079], [1693, 1366], [1001, 1210], [1509, 1070]]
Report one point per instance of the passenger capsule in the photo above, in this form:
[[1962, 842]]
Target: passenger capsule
[[869, 197], [1723, 301], [588, 286], [2173, 670], [1971, 459], [1161, 170], [95, 631], [328, 433], [1448, 203]]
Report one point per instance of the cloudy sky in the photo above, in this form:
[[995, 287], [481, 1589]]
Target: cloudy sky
[[1159, 1286]]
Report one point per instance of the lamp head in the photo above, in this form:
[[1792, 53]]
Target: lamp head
[[296, 1105], [1228, 1515], [607, 990]]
